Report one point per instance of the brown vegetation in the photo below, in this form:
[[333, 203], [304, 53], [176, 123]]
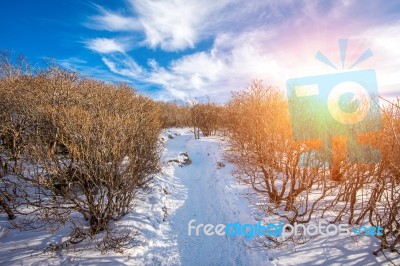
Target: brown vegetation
[[70, 145], [73, 145], [267, 159]]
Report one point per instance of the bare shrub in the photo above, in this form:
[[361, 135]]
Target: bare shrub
[[383, 208], [205, 117], [15, 116], [84, 147], [267, 159], [174, 115]]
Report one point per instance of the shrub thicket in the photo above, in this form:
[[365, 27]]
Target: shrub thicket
[[73, 145], [267, 159]]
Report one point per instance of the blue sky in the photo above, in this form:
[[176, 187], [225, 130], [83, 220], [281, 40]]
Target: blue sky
[[176, 49]]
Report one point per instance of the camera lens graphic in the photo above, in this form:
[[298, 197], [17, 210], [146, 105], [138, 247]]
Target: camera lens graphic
[[348, 102]]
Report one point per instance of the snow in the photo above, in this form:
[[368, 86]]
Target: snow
[[195, 183], [191, 185], [208, 195]]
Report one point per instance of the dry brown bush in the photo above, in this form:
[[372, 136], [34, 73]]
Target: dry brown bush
[[267, 159], [75, 146], [174, 115], [205, 117]]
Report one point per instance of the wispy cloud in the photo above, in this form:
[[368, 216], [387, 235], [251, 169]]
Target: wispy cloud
[[384, 42], [98, 72], [124, 65], [171, 25], [106, 46], [269, 40], [227, 66], [112, 21]]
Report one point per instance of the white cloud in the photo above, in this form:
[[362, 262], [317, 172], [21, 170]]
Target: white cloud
[[112, 21], [177, 24], [216, 72], [384, 42], [236, 59], [171, 25], [245, 47], [124, 65], [106, 46], [98, 72]]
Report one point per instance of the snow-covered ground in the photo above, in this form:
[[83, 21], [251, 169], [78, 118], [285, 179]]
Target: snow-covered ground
[[203, 189]]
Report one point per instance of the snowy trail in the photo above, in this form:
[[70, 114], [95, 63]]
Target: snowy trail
[[178, 194], [211, 195]]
